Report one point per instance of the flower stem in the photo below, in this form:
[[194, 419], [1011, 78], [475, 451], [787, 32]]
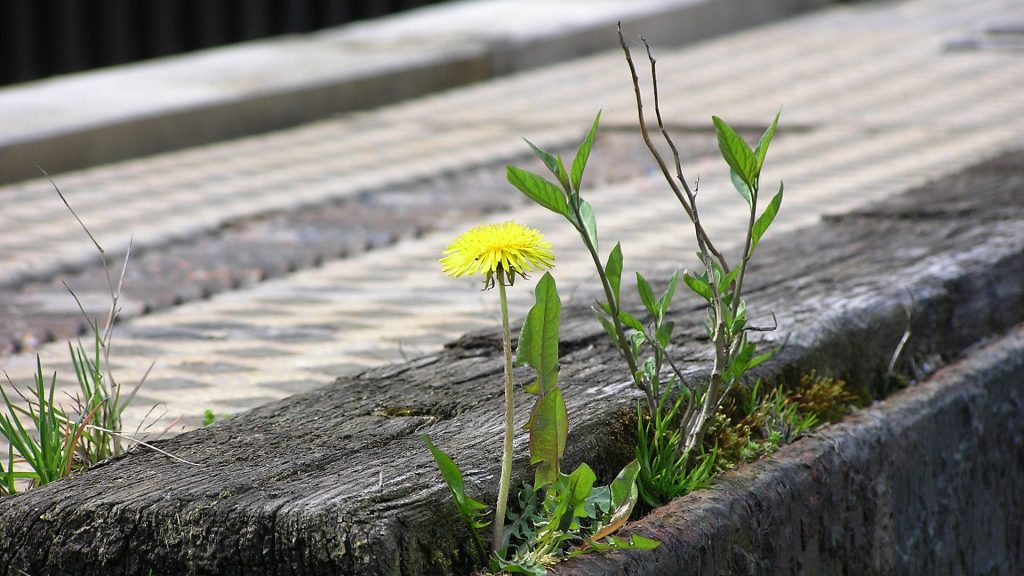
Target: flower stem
[[506, 454]]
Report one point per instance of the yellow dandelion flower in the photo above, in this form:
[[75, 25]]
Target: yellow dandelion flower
[[505, 250]]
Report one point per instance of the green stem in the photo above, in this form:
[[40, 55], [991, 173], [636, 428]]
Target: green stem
[[506, 455]]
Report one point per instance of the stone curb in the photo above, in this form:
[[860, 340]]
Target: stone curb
[[104, 116]]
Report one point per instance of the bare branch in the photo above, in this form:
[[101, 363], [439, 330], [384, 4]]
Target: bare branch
[[772, 328]]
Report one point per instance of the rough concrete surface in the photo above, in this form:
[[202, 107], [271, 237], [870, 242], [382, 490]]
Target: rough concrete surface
[[336, 481]]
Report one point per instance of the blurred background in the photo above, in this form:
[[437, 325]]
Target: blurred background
[[40, 38]]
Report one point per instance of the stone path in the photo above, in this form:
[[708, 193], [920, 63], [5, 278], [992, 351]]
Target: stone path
[[874, 98]]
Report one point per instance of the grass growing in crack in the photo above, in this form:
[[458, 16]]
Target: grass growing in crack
[[52, 442]]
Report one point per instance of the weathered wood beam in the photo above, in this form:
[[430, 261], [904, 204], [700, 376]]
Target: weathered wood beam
[[336, 481]]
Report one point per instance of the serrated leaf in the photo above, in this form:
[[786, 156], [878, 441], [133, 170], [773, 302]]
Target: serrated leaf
[[762, 146], [765, 220], [548, 431], [583, 154], [538, 338], [538, 189], [736, 152], [646, 294], [553, 163], [613, 269], [698, 285], [501, 566], [741, 187]]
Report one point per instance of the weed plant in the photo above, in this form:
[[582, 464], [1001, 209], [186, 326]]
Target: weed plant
[[559, 515], [49, 441], [675, 414]]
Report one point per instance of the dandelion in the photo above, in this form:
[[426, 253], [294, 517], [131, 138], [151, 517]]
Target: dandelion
[[500, 252]]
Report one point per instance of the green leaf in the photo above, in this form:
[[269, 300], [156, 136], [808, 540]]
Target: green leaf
[[742, 358], [765, 220], [608, 326], [741, 187], [646, 294], [728, 280], [538, 189], [549, 427], [581, 481], [757, 360], [638, 542], [589, 222], [624, 497], [553, 163], [666, 299], [762, 146], [699, 285], [468, 507], [736, 152], [649, 367], [628, 319], [580, 162], [664, 333], [613, 269], [636, 340], [538, 339], [625, 483]]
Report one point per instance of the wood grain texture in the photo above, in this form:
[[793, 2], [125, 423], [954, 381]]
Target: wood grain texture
[[336, 481]]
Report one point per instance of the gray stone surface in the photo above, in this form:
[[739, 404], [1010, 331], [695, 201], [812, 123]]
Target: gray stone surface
[[863, 119], [104, 116]]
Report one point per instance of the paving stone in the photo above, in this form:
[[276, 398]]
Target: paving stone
[[361, 205]]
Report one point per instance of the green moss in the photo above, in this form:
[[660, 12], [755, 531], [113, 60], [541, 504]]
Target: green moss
[[755, 421]]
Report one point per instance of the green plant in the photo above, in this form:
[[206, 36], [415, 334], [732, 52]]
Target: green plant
[[209, 417], [50, 450], [559, 510], [103, 438], [756, 421], [92, 431], [672, 456], [500, 252]]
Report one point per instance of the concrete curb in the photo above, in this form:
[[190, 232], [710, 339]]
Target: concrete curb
[[98, 117]]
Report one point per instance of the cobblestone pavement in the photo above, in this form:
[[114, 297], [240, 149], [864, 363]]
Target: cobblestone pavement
[[876, 98]]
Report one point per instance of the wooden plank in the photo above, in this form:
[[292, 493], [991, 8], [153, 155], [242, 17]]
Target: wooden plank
[[336, 481]]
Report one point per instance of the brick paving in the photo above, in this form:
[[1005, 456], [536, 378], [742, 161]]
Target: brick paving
[[875, 100]]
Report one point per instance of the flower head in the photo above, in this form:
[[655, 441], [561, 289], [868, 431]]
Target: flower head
[[504, 249]]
